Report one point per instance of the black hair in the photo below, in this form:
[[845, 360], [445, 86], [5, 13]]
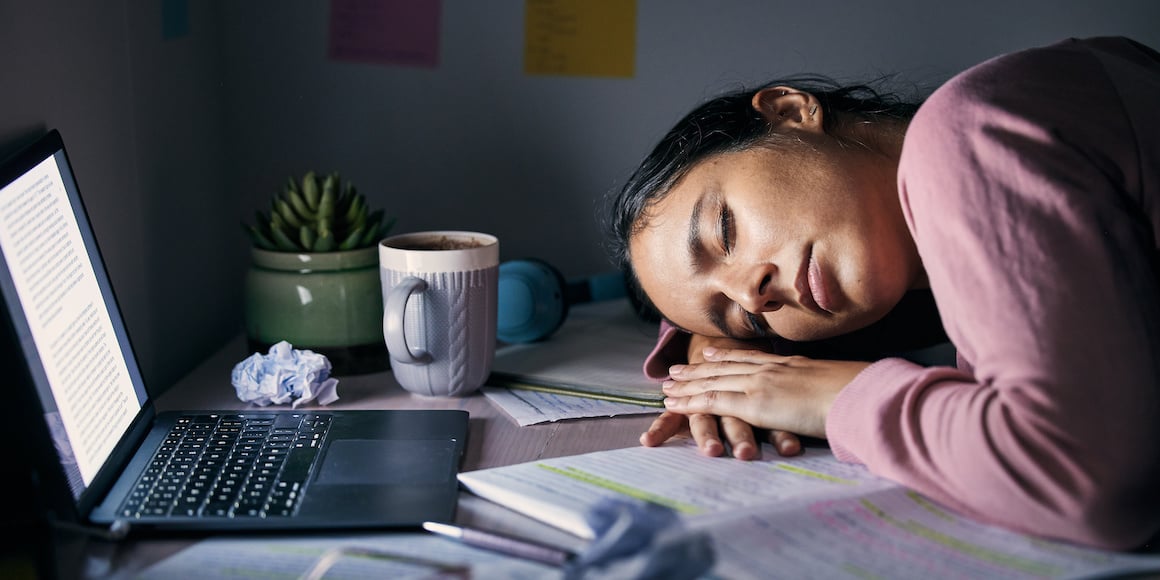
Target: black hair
[[727, 123]]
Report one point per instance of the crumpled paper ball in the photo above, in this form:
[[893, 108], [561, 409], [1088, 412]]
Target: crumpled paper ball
[[285, 375]]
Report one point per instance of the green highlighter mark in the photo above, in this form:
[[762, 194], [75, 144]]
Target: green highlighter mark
[[596, 480], [813, 474], [975, 551]]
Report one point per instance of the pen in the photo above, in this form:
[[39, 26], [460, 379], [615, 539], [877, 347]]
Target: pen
[[502, 544]]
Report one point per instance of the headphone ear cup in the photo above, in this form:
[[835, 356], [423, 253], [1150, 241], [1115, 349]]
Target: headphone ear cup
[[532, 304]]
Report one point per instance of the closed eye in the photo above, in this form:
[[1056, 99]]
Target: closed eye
[[725, 220], [755, 325]]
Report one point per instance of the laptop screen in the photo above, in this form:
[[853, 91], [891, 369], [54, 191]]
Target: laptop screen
[[63, 311]]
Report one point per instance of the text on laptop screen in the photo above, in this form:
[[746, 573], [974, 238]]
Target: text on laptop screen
[[66, 317]]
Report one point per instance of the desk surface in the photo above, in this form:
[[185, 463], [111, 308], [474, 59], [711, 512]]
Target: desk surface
[[494, 439]]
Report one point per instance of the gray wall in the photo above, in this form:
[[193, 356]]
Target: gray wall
[[142, 118], [177, 141]]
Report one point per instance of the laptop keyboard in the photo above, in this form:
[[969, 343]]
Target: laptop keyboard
[[230, 466]]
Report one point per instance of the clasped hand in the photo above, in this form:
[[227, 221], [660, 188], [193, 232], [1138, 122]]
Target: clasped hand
[[736, 390]]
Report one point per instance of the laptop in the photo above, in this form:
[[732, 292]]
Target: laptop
[[105, 459]]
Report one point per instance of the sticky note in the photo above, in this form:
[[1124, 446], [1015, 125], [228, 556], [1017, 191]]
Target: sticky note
[[387, 32], [174, 19], [580, 37]]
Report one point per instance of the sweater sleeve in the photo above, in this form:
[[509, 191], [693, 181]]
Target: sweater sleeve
[[1024, 185], [672, 348]]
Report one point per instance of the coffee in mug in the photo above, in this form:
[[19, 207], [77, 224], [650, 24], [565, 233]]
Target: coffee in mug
[[439, 309]]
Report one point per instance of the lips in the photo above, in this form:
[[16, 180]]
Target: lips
[[811, 285], [818, 286]]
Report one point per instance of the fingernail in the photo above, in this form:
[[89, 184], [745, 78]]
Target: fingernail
[[712, 446], [667, 383], [676, 369], [709, 351], [670, 402]]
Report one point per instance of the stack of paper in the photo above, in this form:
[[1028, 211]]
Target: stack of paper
[[591, 367]]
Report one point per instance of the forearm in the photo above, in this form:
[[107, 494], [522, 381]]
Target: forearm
[[993, 452]]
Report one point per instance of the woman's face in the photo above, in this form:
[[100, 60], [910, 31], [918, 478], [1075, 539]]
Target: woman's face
[[804, 243]]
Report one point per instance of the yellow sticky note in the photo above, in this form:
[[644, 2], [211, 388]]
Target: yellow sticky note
[[580, 37]]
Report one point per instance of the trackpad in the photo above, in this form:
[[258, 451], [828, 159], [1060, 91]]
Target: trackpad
[[381, 462]]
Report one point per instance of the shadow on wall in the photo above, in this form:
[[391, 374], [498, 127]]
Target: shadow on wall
[[13, 141]]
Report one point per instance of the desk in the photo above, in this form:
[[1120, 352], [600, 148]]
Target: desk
[[493, 440]]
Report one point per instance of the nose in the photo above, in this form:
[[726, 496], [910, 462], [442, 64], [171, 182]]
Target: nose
[[753, 287]]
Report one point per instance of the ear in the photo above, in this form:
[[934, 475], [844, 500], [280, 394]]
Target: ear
[[789, 108]]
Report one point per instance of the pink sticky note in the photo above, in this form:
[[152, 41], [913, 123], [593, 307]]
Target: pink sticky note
[[391, 32]]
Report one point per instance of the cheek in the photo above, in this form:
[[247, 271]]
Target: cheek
[[655, 281], [667, 296], [674, 294]]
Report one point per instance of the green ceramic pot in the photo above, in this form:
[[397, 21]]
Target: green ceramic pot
[[330, 302]]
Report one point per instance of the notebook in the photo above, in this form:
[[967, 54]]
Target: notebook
[[106, 458]]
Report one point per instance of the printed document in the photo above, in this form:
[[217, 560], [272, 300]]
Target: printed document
[[806, 516]]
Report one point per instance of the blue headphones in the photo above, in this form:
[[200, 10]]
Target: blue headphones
[[534, 298]]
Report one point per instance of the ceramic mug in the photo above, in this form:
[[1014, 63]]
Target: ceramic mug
[[439, 309]]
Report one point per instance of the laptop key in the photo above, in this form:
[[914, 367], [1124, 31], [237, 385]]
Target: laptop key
[[297, 466], [291, 420]]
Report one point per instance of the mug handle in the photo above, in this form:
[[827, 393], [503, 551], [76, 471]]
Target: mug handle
[[393, 312]]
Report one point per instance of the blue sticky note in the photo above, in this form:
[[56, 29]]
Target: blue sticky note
[[174, 18]]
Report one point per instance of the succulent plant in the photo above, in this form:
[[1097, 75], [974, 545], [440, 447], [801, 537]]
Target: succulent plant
[[320, 214]]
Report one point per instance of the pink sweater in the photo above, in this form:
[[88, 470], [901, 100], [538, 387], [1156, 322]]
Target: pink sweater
[[1031, 184]]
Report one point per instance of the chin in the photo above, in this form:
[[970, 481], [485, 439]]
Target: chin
[[811, 334], [830, 327]]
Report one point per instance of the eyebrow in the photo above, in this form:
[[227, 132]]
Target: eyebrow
[[693, 242], [695, 250]]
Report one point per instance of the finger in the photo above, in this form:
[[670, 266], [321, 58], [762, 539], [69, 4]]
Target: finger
[[786, 443], [715, 402], [704, 430], [740, 436], [743, 362], [714, 354], [692, 371], [663, 428], [688, 386]]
